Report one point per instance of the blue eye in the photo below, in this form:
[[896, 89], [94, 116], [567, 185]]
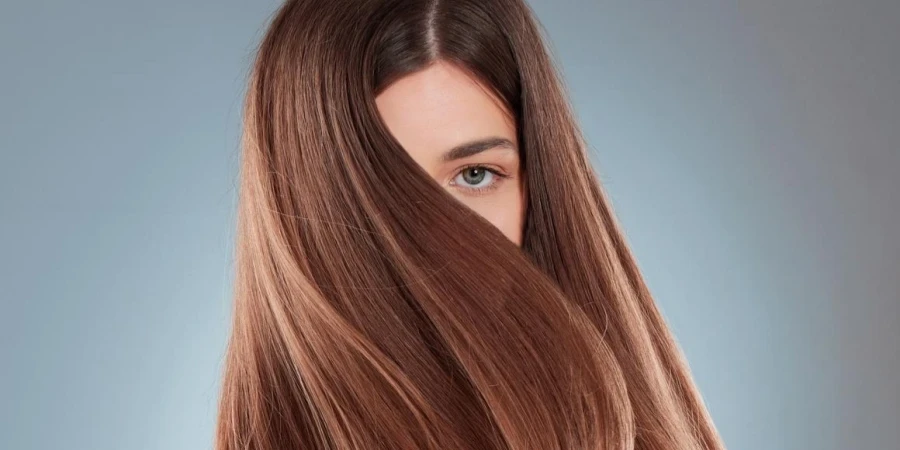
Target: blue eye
[[477, 179], [475, 176]]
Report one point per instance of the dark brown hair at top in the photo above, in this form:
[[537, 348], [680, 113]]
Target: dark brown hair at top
[[372, 310]]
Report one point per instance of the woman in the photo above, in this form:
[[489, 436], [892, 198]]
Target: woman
[[425, 258]]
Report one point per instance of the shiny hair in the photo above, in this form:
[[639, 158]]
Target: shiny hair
[[373, 310]]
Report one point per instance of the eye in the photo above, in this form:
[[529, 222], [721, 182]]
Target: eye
[[478, 179]]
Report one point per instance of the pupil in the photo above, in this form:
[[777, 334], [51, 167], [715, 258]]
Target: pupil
[[474, 175]]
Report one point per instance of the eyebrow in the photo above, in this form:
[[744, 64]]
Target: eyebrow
[[474, 147]]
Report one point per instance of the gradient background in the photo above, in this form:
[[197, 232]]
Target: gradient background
[[751, 149]]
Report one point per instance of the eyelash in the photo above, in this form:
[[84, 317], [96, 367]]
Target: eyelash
[[500, 177]]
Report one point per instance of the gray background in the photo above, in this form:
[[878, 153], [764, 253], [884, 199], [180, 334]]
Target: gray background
[[751, 149]]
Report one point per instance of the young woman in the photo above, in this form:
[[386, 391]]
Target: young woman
[[425, 258]]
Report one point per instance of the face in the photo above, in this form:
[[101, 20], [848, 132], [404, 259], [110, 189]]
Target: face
[[463, 137]]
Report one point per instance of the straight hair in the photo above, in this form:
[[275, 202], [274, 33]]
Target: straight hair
[[372, 310]]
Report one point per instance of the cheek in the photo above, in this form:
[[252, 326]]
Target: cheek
[[503, 209]]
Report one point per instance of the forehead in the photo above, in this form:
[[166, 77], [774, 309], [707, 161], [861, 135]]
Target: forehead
[[434, 109]]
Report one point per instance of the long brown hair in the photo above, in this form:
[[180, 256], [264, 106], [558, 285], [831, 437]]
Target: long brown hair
[[372, 310]]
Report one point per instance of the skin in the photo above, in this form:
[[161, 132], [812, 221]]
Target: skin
[[433, 113]]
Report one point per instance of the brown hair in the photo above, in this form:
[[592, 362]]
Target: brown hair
[[372, 310]]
